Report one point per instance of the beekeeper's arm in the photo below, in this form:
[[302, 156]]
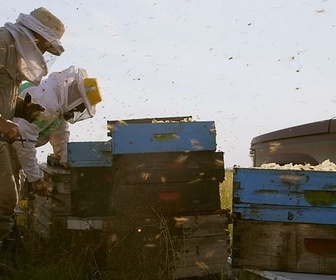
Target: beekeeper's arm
[[59, 139], [26, 153]]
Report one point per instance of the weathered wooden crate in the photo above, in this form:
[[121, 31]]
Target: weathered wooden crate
[[145, 136], [138, 247], [161, 247], [91, 188], [50, 225], [284, 220], [59, 182], [285, 195], [163, 214], [142, 199], [166, 182], [44, 210], [253, 274], [58, 179], [80, 192], [90, 154], [202, 245], [152, 168], [307, 248]]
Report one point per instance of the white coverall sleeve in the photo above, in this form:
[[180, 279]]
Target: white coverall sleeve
[[59, 139], [26, 151]]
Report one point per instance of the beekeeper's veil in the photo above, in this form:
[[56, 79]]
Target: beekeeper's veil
[[83, 95]]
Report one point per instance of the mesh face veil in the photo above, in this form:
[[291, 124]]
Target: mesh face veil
[[79, 104], [82, 96], [74, 96]]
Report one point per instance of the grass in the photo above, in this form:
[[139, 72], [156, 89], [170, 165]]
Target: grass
[[226, 190], [226, 195], [31, 258], [71, 256], [43, 271], [36, 259]]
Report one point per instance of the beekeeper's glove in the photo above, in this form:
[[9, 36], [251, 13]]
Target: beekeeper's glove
[[39, 187]]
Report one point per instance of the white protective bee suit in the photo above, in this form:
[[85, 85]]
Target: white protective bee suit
[[21, 58], [60, 93]]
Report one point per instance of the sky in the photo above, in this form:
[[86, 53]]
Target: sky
[[250, 66]]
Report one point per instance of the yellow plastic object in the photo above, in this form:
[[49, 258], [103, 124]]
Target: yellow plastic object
[[21, 213], [92, 90]]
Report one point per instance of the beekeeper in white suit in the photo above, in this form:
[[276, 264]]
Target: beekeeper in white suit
[[71, 97]]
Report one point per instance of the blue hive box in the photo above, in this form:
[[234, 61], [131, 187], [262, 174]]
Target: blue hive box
[[284, 220], [90, 154], [290, 196], [145, 136]]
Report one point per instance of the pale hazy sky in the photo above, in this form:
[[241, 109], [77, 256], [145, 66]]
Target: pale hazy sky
[[250, 66]]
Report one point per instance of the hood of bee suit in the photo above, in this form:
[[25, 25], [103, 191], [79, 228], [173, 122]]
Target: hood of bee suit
[[83, 90]]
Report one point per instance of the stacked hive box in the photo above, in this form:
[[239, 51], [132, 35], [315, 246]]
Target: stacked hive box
[[81, 192], [152, 190], [166, 177], [59, 204], [285, 220]]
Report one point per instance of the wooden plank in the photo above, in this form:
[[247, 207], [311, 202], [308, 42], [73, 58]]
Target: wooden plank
[[287, 214], [89, 203], [203, 225], [202, 245], [170, 198], [90, 154], [206, 249], [200, 256], [156, 246], [306, 248], [92, 223], [292, 196], [199, 269], [54, 170], [57, 178], [149, 168], [285, 187], [91, 179], [249, 274]]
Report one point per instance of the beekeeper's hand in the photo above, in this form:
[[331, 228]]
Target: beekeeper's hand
[[39, 187], [9, 130], [64, 165]]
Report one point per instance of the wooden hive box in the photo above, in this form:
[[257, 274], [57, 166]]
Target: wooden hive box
[[145, 136], [44, 210], [284, 220], [168, 247], [202, 245], [81, 192], [169, 182]]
